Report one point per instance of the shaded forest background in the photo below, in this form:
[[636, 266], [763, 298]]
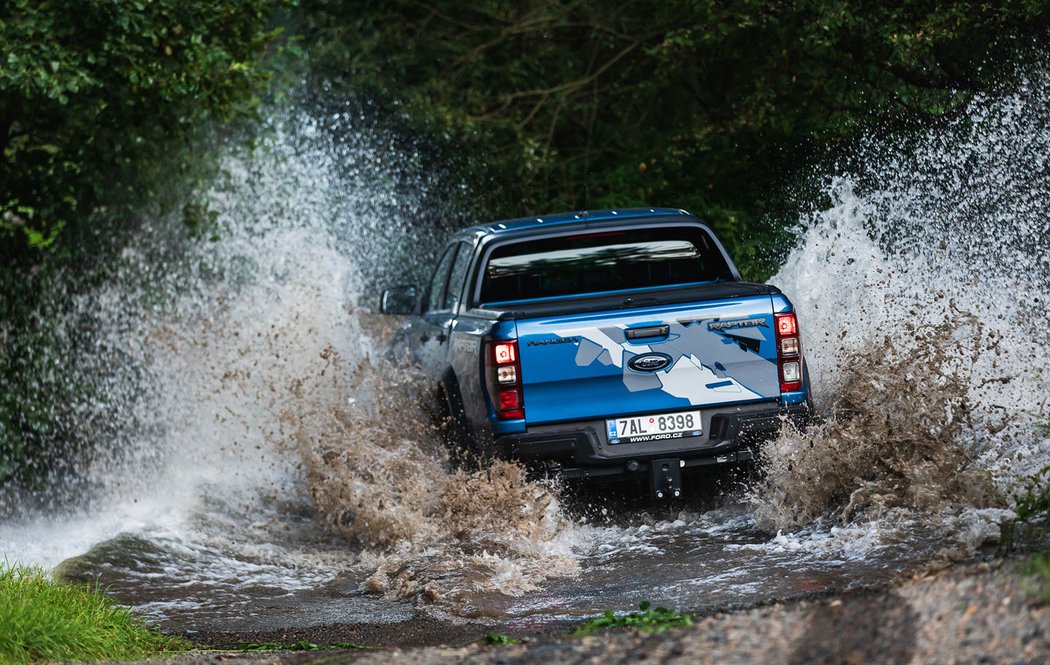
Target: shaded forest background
[[106, 108]]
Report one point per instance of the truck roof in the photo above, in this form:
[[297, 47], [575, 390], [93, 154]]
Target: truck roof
[[581, 217]]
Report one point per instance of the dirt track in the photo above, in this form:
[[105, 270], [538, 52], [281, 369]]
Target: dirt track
[[970, 614]]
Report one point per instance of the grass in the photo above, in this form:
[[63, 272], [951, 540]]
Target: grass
[[494, 639], [45, 620], [1034, 504], [1043, 425], [1033, 524], [647, 620], [1039, 567]]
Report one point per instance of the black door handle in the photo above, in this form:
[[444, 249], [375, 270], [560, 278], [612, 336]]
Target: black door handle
[[643, 333]]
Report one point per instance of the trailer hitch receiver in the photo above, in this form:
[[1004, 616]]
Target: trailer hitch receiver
[[666, 478]]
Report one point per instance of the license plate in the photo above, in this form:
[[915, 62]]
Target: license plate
[[639, 429]]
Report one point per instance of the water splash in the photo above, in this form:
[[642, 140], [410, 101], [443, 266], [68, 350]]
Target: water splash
[[216, 333], [261, 400], [378, 473], [921, 289]]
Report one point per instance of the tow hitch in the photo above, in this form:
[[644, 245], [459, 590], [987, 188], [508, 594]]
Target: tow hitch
[[666, 478]]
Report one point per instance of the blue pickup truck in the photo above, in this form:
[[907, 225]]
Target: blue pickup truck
[[604, 343]]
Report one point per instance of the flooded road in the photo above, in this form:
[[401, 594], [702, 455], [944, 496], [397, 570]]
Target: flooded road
[[289, 573], [256, 466]]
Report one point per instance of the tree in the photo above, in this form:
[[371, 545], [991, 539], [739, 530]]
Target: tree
[[694, 103], [90, 90]]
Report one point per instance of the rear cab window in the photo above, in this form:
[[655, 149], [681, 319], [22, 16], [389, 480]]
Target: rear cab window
[[601, 262], [439, 282], [458, 277]]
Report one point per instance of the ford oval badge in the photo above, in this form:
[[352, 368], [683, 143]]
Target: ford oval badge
[[649, 362]]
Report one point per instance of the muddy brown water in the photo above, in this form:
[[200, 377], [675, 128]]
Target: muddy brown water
[[266, 574]]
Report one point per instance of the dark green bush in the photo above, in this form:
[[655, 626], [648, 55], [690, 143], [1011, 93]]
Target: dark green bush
[[711, 106], [89, 91], [103, 106]]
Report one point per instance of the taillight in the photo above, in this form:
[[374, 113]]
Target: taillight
[[505, 352], [506, 377], [789, 352]]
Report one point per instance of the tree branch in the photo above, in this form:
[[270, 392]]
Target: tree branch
[[544, 93]]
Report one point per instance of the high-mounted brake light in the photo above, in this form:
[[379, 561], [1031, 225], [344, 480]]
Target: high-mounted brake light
[[505, 380], [789, 352], [606, 234]]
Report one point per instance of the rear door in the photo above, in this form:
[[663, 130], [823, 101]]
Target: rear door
[[439, 307], [653, 360]]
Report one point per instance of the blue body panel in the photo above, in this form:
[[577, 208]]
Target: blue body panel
[[506, 227], [717, 353]]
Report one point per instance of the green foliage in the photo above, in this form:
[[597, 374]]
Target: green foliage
[[1033, 505], [702, 105], [1032, 525], [1044, 426], [90, 91], [103, 106], [648, 620], [1039, 568], [499, 640], [45, 620]]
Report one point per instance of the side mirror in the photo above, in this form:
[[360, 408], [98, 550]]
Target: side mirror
[[398, 300]]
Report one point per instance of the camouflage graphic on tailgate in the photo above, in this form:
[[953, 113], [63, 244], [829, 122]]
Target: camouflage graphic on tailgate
[[648, 361], [740, 373]]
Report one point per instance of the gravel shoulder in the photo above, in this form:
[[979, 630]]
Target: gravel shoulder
[[967, 614]]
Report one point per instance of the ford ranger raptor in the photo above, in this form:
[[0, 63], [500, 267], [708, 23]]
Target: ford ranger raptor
[[604, 343]]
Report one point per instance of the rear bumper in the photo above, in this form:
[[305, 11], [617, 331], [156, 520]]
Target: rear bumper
[[581, 450]]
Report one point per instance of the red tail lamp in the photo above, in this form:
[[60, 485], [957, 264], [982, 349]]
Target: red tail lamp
[[789, 352], [507, 381]]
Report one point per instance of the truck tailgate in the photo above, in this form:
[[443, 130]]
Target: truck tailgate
[[649, 360]]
